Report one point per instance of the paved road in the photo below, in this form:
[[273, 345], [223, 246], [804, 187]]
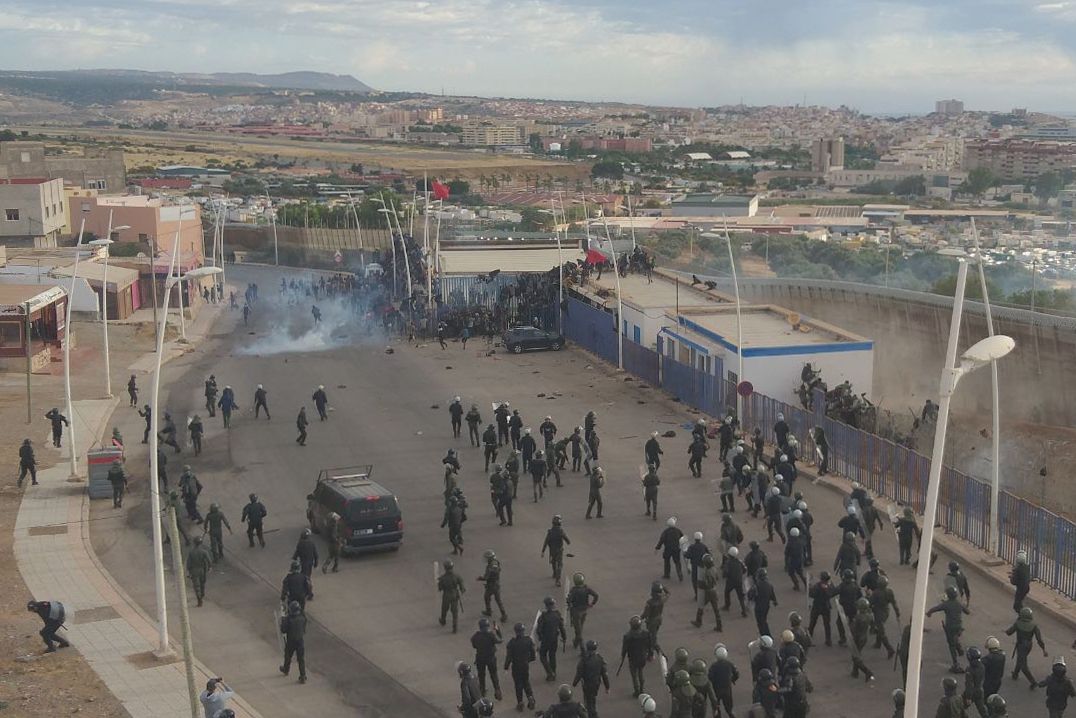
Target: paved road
[[375, 645]]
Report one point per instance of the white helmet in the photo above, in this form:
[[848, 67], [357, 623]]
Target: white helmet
[[698, 536], [259, 386], [654, 434], [855, 485], [1021, 557], [784, 457], [802, 505], [851, 510], [643, 697], [549, 418], [649, 706], [527, 430], [780, 417], [797, 514], [733, 551], [455, 398], [321, 386], [775, 491], [671, 521], [739, 449], [766, 642], [720, 652], [793, 531]]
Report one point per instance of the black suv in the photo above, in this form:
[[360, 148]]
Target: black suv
[[520, 339], [371, 513]]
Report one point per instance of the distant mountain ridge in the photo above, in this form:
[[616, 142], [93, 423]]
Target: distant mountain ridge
[[299, 80]]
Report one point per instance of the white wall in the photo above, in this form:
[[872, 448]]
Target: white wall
[[778, 377], [649, 322]]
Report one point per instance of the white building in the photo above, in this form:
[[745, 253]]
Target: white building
[[776, 345], [32, 212]]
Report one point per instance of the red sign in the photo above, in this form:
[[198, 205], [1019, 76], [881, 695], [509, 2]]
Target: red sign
[[745, 389]]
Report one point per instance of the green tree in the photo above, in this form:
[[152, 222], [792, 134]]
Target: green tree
[[459, 187], [911, 186], [946, 286], [979, 180], [1047, 185], [535, 141], [606, 169]]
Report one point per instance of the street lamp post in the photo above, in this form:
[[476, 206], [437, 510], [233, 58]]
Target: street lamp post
[[105, 242], [155, 485], [67, 354], [739, 319], [995, 401], [987, 350], [620, 328], [392, 241]]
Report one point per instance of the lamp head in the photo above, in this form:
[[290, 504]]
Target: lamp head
[[202, 272], [989, 349], [102, 242]]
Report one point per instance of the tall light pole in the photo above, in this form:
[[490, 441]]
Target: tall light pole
[[739, 319], [995, 402], [272, 218], [105, 242], [560, 267], [989, 349], [155, 485], [67, 352], [392, 241], [619, 301]]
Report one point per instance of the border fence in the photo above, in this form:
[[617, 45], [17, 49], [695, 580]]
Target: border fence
[[886, 468]]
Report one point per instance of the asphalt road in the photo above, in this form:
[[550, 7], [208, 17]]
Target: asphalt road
[[375, 647]]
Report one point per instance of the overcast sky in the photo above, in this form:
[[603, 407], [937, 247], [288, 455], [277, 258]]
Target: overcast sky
[[875, 56]]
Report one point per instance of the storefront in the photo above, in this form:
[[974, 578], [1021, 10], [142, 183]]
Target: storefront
[[38, 336]]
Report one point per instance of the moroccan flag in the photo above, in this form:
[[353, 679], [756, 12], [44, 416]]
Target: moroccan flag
[[440, 191], [595, 257]]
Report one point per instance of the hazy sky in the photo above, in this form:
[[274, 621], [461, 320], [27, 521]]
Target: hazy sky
[[876, 56]]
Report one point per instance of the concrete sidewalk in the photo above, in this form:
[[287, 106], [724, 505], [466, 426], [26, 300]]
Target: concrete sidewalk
[[55, 557]]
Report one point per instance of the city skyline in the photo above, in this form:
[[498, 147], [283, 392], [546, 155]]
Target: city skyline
[[880, 57]]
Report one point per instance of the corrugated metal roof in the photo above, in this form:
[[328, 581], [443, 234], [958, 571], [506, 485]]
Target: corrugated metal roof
[[510, 261]]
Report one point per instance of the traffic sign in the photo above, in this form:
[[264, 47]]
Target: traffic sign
[[745, 389]]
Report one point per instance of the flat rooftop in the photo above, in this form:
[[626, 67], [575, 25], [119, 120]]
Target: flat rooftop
[[659, 294], [765, 327], [37, 294], [510, 260]]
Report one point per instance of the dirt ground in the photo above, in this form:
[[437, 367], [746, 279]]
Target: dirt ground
[[147, 148], [55, 684], [60, 683]]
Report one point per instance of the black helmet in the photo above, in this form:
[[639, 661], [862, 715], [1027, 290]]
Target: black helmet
[[556, 522], [253, 497], [949, 685], [996, 703], [873, 563], [483, 624], [463, 668], [898, 698], [792, 664], [753, 545], [760, 575], [31, 606], [549, 602], [795, 619], [656, 588], [974, 654], [635, 622], [765, 675], [305, 533], [485, 707], [449, 565], [954, 567], [226, 713], [848, 574], [294, 608], [951, 592], [824, 575], [519, 628], [591, 646], [564, 693]]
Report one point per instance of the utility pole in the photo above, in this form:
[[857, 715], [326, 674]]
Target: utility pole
[[153, 277], [29, 348], [184, 614]]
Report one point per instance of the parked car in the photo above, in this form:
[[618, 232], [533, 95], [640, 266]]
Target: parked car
[[370, 512], [520, 339]]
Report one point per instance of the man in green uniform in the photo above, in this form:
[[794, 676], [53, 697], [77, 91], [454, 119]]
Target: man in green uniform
[[953, 625], [215, 522], [950, 705], [293, 626], [118, 478], [580, 599], [565, 707], [555, 540], [881, 598], [594, 499], [451, 587], [1026, 631], [861, 626], [637, 649], [683, 695], [704, 691], [653, 612], [492, 579], [198, 564], [708, 593], [591, 672]]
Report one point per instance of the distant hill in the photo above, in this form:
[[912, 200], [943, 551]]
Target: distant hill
[[301, 80], [85, 87]]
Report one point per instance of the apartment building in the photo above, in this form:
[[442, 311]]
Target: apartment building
[[491, 134], [827, 154], [1014, 159], [33, 212], [146, 219]]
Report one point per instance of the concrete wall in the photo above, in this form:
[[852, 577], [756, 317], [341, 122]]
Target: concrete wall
[[103, 170], [1038, 380], [41, 209], [778, 377]]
